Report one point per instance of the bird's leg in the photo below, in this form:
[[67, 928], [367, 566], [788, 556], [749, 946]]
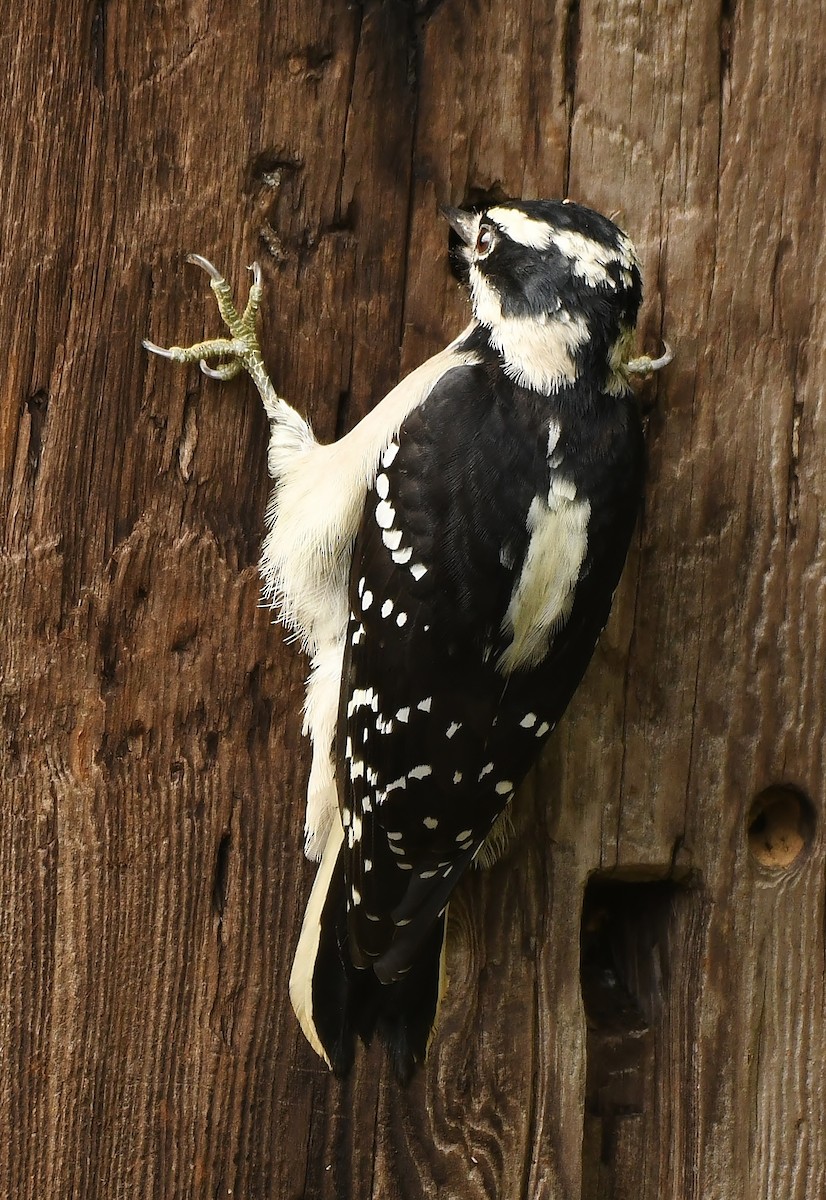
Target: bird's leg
[[241, 352], [644, 365]]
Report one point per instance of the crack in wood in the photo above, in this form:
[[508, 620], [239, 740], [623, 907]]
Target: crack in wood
[[793, 477], [220, 874], [37, 404], [97, 45], [728, 9], [570, 63]]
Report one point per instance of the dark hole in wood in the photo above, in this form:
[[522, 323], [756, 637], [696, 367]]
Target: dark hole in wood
[[219, 878], [622, 946], [780, 827], [624, 975]]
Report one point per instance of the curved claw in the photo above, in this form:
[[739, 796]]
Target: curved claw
[[646, 365], [153, 348], [658, 363], [212, 271], [224, 373], [256, 273]]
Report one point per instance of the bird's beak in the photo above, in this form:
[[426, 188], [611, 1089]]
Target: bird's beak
[[464, 223]]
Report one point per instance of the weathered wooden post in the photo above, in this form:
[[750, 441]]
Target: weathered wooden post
[[637, 1004]]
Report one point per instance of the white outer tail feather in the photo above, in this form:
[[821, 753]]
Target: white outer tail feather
[[301, 976]]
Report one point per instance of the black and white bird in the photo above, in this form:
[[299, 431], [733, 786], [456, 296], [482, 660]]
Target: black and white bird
[[449, 565]]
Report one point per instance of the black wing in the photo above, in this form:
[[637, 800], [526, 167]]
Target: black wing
[[433, 737], [432, 574]]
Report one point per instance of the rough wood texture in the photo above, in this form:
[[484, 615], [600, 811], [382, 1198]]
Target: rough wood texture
[[642, 1039]]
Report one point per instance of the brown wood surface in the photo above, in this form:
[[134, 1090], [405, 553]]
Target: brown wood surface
[[662, 1035]]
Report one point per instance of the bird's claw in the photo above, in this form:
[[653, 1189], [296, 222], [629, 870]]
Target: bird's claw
[[222, 373], [645, 365], [241, 352], [212, 271]]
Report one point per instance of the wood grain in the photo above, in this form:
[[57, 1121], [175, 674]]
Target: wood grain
[[637, 1006]]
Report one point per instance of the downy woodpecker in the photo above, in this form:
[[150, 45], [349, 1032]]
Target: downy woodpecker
[[448, 566]]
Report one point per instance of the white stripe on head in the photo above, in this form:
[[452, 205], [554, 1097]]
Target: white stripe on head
[[588, 257], [519, 227]]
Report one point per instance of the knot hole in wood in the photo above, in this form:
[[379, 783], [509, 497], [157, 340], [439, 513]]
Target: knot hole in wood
[[780, 828]]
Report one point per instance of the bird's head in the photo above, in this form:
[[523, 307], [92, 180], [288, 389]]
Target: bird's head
[[557, 285]]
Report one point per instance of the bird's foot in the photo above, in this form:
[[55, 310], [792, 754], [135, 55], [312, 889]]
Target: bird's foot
[[646, 366], [241, 351]]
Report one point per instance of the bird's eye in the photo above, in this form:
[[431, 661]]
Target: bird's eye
[[484, 241]]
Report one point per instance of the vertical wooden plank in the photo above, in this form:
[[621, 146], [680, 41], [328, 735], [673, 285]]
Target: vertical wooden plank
[[712, 685]]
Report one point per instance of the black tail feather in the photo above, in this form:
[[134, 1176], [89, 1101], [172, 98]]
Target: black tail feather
[[346, 1002]]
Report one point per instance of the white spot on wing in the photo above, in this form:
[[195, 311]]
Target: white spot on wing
[[402, 556], [389, 454], [543, 729], [387, 608], [421, 772], [391, 538], [431, 822], [403, 715], [385, 514], [457, 776], [464, 835], [417, 570], [452, 728], [366, 601], [424, 705], [362, 698], [401, 619], [486, 770], [382, 486], [503, 787], [528, 721]]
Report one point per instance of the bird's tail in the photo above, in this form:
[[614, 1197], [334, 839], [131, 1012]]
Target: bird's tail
[[334, 1001]]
